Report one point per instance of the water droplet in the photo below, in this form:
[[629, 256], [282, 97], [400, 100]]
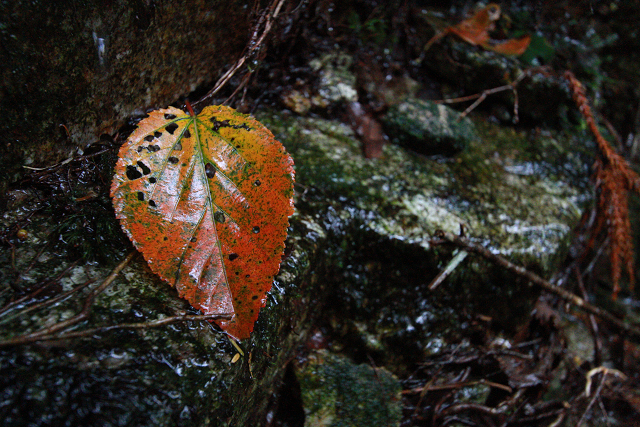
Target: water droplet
[[256, 230], [194, 239]]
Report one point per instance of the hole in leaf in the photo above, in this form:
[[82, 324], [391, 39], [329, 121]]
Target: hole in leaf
[[157, 134], [210, 170], [153, 148], [152, 203], [173, 160], [255, 297], [169, 116], [140, 196], [152, 180], [256, 229], [145, 168], [171, 128], [133, 172], [165, 238], [178, 146], [141, 148], [187, 134], [148, 138], [232, 257], [257, 183], [219, 217]]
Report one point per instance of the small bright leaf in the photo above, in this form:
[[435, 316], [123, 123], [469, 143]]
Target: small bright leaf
[[475, 30], [207, 200]]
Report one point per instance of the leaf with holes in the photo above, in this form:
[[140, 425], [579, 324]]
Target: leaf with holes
[[207, 200]]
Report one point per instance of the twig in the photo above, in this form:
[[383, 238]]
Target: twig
[[49, 331], [46, 302], [254, 44], [468, 246], [479, 97], [38, 291]]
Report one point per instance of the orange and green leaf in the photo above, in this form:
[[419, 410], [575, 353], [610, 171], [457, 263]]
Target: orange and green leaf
[[207, 200]]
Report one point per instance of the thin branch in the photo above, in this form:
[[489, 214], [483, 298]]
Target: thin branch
[[468, 246], [257, 38], [47, 332]]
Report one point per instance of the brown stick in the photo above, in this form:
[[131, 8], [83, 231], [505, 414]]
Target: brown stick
[[45, 333], [468, 246]]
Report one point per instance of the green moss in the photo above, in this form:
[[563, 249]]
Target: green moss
[[338, 393]]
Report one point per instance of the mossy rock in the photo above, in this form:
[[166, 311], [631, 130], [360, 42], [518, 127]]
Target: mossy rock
[[338, 393], [428, 128]]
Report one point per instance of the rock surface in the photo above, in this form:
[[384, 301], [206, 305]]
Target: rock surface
[[72, 72], [358, 252]]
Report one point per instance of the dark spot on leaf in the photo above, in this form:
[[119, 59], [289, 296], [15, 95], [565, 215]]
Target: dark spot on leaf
[[256, 229], [178, 146], [209, 170], [187, 134], [165, 238], [219, 217], [148, 138], [251, 311], [237, 273], [169, 116], [141, 148], [152, 180], [194, 239], [246, 276], [133, 172], [153, 148], [255, 297], [257, 183], [140, 196], [173, 160], [232, 257], [145, 168], [152, 203], [157, 134], [171, 128]]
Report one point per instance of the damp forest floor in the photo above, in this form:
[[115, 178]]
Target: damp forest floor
[[556, 365]]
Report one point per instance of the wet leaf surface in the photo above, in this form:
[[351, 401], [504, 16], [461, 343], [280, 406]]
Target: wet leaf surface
[[206, 199]]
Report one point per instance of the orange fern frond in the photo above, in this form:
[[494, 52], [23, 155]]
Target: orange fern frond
[[614, 179]]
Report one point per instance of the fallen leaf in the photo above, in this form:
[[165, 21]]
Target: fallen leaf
[[206, 199], [475, 30]]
